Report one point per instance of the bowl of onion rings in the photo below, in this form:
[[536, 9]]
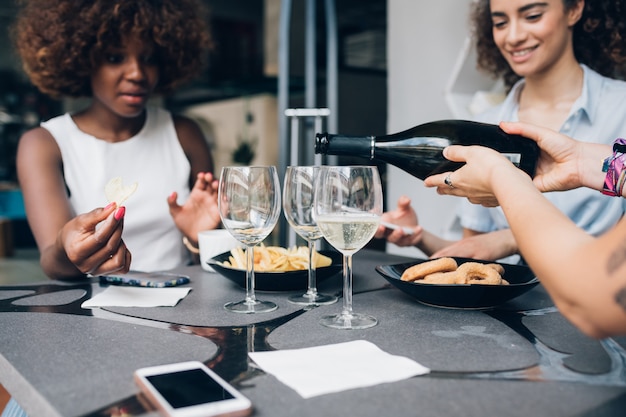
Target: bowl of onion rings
[[468, 292], [277, 280]]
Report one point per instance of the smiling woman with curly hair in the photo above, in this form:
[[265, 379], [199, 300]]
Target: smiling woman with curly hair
[[598, 38], [62, 42]]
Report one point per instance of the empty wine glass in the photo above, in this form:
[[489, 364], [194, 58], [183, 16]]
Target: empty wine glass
[[298, 192], [347, 207], [249, 205]]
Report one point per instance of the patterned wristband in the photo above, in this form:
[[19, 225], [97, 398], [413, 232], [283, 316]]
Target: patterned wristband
[[615, 169]]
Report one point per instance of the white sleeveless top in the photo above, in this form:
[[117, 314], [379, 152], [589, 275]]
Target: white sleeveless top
[[154, 159]]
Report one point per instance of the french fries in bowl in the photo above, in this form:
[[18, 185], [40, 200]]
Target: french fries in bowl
[[277, 268], [277, 259]]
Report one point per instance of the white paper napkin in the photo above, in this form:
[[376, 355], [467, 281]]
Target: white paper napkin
[[120, 296], [334, 368]]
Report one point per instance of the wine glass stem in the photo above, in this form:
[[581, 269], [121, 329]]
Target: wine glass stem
[[250, 297], [312, 287], [347, 285]]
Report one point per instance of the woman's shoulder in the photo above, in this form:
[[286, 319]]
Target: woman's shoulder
[[35, 144], [187, 128], [192, 140], [605, 97], [35, 135], [600, 82]]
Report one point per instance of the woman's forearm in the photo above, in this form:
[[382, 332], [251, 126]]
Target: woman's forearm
[[431, 243], [590, 165], [56, 265], [571, 264]]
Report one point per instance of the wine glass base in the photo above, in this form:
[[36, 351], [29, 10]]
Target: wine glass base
[[308, 299], [351, 321], [250, 307]]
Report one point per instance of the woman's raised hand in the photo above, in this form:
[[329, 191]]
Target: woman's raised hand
[[93, 241], [200, 211]]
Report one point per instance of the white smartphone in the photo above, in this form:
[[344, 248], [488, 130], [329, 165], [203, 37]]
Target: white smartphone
[[190, 389], [406, 230]]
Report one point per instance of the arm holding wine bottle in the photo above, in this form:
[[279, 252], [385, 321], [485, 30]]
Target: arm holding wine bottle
[[564, 164], [585, 275]]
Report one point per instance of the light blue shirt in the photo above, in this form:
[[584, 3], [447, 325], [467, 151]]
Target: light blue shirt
[[598, 116]]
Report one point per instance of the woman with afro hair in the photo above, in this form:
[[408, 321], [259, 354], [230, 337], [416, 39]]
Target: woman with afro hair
[[118, 54], [558, 60]]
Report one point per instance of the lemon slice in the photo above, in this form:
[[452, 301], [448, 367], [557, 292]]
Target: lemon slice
[[116, 192]]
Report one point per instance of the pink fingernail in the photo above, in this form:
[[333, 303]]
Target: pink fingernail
[[110, 205], [120, 213]]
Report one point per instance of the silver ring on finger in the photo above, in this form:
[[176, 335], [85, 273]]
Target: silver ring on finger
[[448, 181]]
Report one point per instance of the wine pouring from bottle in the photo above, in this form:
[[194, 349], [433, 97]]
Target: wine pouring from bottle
[[419, 150]]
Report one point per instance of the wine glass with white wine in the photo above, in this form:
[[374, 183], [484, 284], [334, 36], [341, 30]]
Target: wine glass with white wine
[[249, 205], [347, 207], [298, 195]]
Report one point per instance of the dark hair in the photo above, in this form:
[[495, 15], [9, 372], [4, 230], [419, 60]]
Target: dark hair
[[62, 42], [599, 39]]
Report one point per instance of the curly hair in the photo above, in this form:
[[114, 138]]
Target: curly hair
[[599, 39], [62, 42]]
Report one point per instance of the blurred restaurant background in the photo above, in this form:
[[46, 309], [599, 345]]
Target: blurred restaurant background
[[378, 66]]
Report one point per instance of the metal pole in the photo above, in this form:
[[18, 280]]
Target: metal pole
[[296, 158], [293, 160], [310, 56], [310, 78], [283, 102], [302, 158], [331, 72]]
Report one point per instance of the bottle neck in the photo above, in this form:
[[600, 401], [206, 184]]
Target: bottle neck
[[328, 144]]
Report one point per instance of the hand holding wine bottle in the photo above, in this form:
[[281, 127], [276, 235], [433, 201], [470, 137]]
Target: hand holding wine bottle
[[418, 150], [564, 164], [475, 178]]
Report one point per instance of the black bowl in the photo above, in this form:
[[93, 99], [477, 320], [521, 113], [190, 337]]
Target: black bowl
[[462, 296], [278, 281]]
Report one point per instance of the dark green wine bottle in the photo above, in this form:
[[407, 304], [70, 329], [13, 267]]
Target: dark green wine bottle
[[419, 150]]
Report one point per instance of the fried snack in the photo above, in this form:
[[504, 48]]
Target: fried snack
[[446, 271], [116, 192], [477, 273], [452, 277], [276, 259], [419, 271], [497, 267]]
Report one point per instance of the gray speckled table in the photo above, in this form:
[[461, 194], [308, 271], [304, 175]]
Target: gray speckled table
[[521, 359]]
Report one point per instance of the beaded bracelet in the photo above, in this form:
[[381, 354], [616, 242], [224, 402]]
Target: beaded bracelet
[[615, 168]]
